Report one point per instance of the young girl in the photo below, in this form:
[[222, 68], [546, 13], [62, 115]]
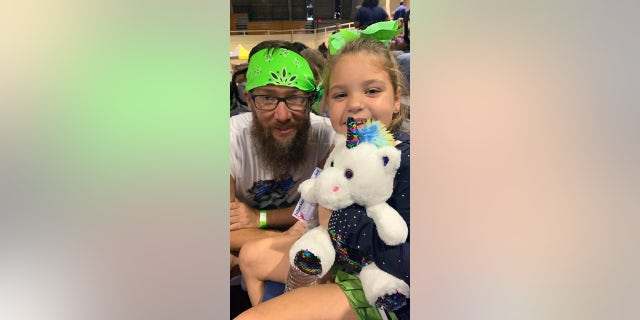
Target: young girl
[[363, 81]]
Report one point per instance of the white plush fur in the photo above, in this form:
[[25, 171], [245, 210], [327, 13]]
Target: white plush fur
[[370, 186], [376, 283], [318, 242]]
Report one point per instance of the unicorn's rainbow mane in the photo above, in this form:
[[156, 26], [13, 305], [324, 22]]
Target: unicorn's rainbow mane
[[374, 132]]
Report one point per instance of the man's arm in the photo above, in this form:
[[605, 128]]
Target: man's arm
[[243, 216], [281, 218], [276, 218]]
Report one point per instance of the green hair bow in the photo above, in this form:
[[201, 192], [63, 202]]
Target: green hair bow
[[382, 31]]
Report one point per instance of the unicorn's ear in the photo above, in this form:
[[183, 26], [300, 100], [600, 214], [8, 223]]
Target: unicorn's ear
[[390, 158]]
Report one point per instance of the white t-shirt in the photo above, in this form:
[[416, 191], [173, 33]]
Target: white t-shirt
[[255, 186]]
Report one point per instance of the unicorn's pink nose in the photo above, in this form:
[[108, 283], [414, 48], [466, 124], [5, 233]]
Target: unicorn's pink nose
[[336, 188]]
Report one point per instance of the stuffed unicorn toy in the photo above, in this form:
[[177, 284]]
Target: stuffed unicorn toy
[[360, 170]]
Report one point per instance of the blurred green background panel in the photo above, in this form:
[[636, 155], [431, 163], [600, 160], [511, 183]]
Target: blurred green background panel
[[145, 107], [114, 160]]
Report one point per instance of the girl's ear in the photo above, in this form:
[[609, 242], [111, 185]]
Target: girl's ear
[[396, 103]]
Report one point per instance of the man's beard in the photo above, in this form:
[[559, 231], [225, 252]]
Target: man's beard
[[280, 158]]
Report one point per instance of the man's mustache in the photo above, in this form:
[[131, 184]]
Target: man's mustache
[[284, 126]]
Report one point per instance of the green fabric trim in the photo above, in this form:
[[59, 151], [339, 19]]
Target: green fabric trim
[[279, 67], [352, 287], [381, 31], [315, 107]]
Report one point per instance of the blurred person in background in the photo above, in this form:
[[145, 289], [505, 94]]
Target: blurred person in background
[[400, 11], [369, 13]]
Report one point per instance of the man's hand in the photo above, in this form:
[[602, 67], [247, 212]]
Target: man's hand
[[243, 216]]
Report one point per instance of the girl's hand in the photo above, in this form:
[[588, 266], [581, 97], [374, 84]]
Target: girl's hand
[[323, 216]]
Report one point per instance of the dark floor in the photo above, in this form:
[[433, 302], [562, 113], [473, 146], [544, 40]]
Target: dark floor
[[239, 301]]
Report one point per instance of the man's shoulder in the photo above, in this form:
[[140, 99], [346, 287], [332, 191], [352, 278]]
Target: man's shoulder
[[321, 126], [319, 122], [381, 12], [241, 120], [400, 11], [239, 128]]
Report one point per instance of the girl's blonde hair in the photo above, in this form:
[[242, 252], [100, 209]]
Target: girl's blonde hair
[[386, 61]]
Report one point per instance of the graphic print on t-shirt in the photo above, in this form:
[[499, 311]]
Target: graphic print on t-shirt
[[271, 194]]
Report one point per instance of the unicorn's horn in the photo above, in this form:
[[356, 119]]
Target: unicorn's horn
[[353, 136]]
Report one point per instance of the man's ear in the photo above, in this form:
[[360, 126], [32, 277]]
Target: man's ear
[[248, 99]]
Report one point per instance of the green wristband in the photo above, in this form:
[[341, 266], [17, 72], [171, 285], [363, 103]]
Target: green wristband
[[263, 219]]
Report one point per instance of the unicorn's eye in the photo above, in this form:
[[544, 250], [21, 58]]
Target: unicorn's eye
[[331, 164], [348, 174]]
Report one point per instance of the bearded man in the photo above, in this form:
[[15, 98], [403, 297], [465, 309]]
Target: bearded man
[[274, 147]]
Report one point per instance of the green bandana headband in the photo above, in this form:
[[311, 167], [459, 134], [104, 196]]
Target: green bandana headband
[[381, 31], [279, 67]]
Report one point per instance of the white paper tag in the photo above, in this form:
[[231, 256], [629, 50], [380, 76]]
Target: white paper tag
[[304, 210]]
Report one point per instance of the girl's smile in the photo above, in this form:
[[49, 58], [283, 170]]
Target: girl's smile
[[359, 122]]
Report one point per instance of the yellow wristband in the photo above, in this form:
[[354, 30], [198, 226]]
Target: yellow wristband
[[263, 219]]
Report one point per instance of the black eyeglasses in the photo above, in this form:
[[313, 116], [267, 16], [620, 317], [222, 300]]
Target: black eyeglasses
[[267, 102]]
